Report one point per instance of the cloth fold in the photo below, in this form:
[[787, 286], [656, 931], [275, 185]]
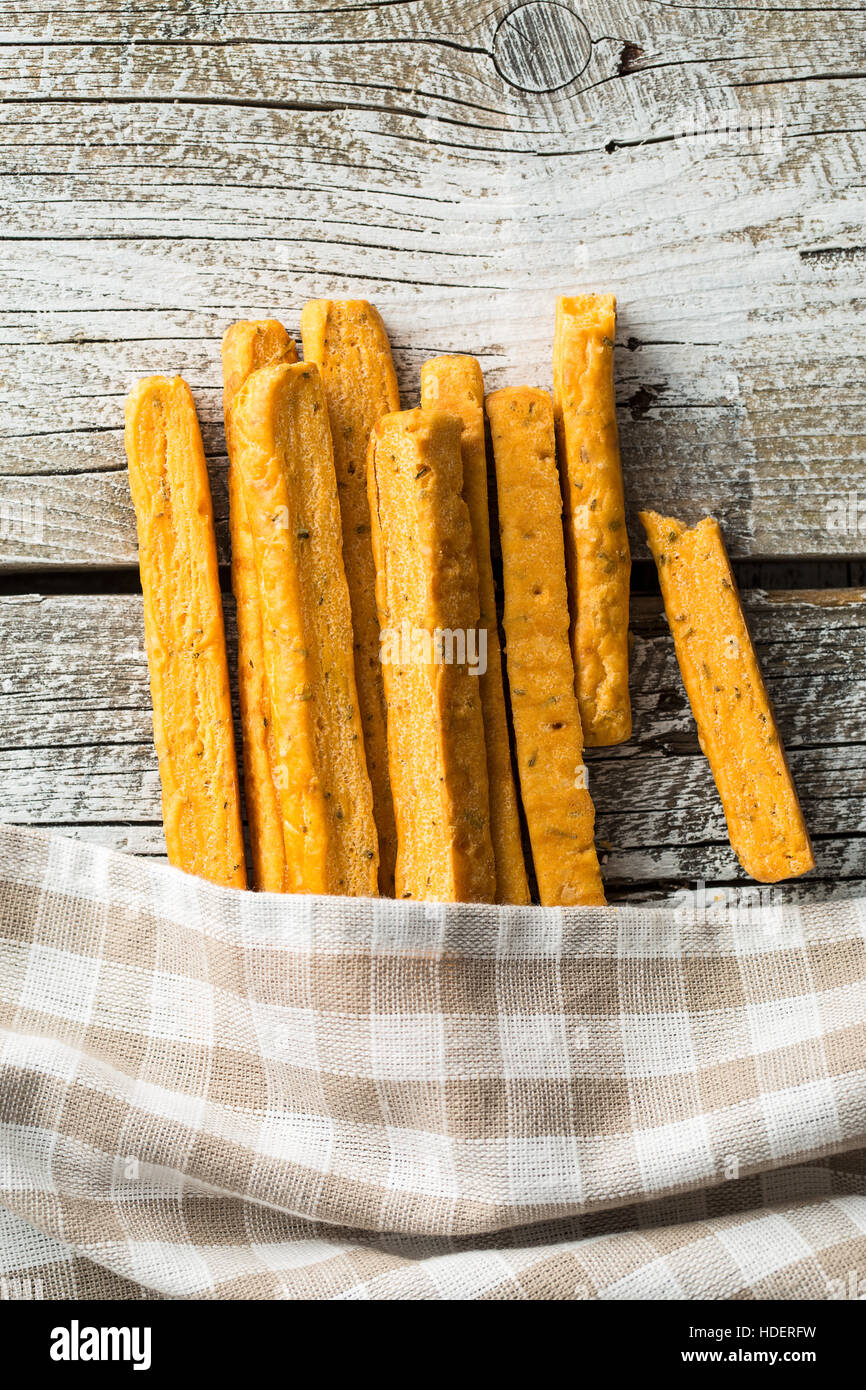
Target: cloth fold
[[213, 1094]]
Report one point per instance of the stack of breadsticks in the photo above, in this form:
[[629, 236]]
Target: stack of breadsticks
[[380, 731]]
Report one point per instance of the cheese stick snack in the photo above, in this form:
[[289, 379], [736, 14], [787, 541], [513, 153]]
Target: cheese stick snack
[[282, 451], [246, 347], [347, 341], [184, 636], [455, 385], [553, 781], [597, 553], [427, 593], [736, 727]]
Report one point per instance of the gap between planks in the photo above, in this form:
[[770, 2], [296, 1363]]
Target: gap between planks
[[79, 688]]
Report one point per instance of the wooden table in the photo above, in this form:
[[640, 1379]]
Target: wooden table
[[169, 169]]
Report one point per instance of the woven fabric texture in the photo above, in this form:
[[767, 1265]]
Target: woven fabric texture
[[213, 1094]]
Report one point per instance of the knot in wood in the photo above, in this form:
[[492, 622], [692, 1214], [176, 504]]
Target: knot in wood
[[541, 46]]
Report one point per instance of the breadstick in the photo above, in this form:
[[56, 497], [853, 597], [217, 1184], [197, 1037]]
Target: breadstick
[[184, 636], [736, 726], [283, 455], [246, 347], [553, 782], [347, 341], [455, 385], [427, 593], [597, 553]]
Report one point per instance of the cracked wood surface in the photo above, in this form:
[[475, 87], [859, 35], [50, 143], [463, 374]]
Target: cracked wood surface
[[76, 753], [166, 170]]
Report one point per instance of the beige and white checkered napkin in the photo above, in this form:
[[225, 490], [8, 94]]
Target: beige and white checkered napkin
[[210, 1094]]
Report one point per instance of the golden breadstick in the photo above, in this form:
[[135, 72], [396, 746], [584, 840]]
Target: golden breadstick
[[553, 781], [427, 593], [455, 385], [282, 446], [597, 554], [347, 341], [184, 636], [246, 347], [736, 727]]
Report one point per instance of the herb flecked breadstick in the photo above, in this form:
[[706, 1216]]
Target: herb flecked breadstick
[[184, 636], [347, 341], [246, 347], [736, 727], [427, 593], [559, 811], [597, 553], [455, 385], [282, 445]]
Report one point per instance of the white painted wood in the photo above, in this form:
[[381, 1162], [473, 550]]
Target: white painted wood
[[76, 751], [541, 47], [165, 171]]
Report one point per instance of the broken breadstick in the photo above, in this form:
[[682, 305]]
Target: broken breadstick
[[597, 553], [282, 450], [427, 594], [347, 341], [553, 781], [455, 385], [184, 635], [246, 347], [730, 704]]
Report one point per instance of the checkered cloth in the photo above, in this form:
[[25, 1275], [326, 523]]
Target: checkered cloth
[[215, 1094]]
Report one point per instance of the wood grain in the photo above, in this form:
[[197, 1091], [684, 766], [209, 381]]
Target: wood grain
[[76, 752], [165, 171]]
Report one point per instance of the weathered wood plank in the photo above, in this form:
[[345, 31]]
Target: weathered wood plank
[[76, 754], [432, 52], [167, 170]]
